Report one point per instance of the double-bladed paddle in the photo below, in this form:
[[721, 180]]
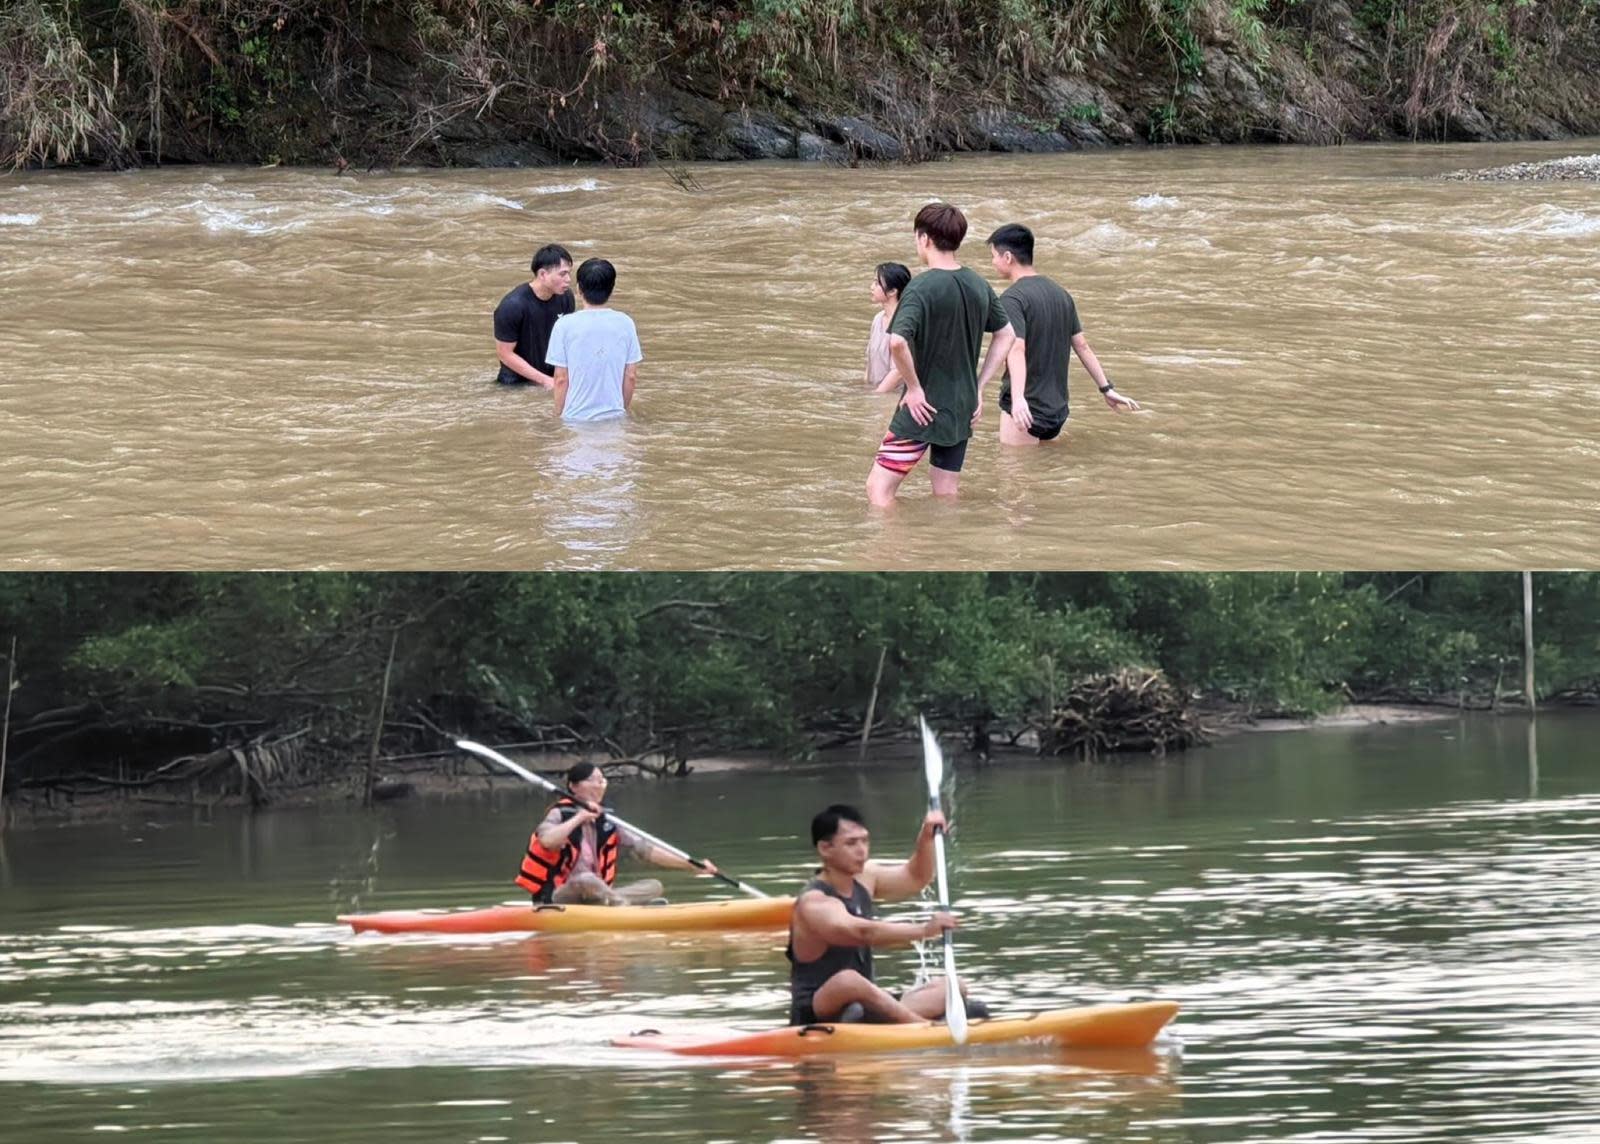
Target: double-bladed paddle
[[495, 756], [955, 1009]]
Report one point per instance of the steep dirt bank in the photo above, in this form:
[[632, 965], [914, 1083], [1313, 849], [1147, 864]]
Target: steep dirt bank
[[496, 82]]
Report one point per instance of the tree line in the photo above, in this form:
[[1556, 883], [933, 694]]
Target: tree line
[[269, 674]]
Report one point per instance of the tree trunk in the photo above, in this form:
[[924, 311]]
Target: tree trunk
[[1527, 639], [872, 703], [377, 725], [5, 726]]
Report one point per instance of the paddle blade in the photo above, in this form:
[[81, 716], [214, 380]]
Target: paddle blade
[[932, 761]]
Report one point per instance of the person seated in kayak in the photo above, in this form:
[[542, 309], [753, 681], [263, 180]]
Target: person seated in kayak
[[832, 931], [572, 854]]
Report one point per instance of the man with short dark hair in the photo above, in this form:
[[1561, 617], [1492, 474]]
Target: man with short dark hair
[[934, 342], [595, 352], [832, 931], [1045, 319], [524, 318], [572, 854]]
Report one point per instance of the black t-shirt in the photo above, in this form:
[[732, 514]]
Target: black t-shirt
[[1045, 317], [522, 318]]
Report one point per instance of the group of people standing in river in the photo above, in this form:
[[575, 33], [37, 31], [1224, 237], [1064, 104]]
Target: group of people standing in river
[[925, 341]]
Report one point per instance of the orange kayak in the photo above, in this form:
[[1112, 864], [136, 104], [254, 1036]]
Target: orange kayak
[[1131, 1026], [738, 914]]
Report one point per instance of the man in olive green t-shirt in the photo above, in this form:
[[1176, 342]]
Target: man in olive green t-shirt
[[934, 341], [1033, 396]]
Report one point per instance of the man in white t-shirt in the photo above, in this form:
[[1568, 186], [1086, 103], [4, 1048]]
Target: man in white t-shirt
[[595, 351]]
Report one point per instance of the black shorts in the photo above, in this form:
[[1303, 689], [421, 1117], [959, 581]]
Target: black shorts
[[901, 454], [1046, 430]]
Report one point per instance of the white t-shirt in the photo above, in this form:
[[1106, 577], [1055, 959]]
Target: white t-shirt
[[595, 346]]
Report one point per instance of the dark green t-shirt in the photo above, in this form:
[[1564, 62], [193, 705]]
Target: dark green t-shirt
[[1044, 316], [942, 315]]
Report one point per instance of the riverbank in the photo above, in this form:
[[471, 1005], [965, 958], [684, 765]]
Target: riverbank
[[450, 775], [510, 84]]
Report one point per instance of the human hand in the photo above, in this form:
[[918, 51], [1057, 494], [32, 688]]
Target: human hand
[[1119, 403], [1021, 414], [939, 923], [935, 820], [708, 868], [916, 403]]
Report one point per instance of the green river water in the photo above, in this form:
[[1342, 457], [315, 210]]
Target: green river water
[[1388, 933]]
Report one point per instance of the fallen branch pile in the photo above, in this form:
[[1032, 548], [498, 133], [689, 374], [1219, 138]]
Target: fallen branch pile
[[1126, 712]]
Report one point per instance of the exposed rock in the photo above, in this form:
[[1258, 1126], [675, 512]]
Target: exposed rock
[[816, 149], [864, 140], [1007, 131], [757, 135]]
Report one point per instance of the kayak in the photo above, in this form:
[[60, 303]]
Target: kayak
[[738, 914], [1130, 1026]]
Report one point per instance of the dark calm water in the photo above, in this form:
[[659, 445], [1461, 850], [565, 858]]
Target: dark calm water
[[1383, 934]]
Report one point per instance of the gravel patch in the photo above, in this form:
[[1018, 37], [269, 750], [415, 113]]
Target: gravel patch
[[1573, 167]]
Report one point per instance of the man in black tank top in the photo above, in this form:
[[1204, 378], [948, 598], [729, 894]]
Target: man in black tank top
[[833, 930]]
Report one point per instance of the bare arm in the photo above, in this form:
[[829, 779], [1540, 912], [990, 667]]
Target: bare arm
[[915, 401], [890, 382], [1017, 367], [630, 379], [560, 383], [554, 837], [826, 919], [1080, 346], [517, 364], [894, 881], [999, 346]]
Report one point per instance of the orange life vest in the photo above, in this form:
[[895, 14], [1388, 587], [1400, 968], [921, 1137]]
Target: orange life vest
[[544, 869]]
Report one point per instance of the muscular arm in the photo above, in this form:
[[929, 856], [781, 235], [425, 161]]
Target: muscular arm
[[826, 920], [893, 881], [517, 364]]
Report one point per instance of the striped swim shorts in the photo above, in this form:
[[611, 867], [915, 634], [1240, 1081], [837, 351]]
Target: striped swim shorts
[[901, 454]]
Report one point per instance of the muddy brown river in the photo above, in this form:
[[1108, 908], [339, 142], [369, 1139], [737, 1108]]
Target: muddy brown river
[[1344, 363]]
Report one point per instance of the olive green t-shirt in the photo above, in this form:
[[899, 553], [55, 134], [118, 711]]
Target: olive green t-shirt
[[942, 315], [1046, 319]]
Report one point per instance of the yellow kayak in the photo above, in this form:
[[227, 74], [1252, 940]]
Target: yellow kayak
[[1129, 1026], [738, 914]]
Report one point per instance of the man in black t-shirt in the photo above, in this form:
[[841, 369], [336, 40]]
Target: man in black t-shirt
[[524, 318], [1033, 396]]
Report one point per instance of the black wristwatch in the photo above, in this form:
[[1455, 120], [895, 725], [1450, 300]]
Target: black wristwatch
[[1106, 388]]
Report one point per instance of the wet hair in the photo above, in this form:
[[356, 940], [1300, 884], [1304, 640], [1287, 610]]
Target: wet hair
[[893, 277], [943, 224], [596, 279], [1015, 240], [549, 256], [826, 824], [577, 772]]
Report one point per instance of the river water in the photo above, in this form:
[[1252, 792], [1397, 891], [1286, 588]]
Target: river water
[[1345, 364], [1376, 934]]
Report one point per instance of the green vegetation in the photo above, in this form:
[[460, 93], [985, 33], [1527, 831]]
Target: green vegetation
[[134, 670], [127, 81]]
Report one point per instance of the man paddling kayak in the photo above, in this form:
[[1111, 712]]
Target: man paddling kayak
[[572, 854], [832, 932]]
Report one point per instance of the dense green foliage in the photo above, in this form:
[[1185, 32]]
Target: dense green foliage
[[139, 667], [309, 80]]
